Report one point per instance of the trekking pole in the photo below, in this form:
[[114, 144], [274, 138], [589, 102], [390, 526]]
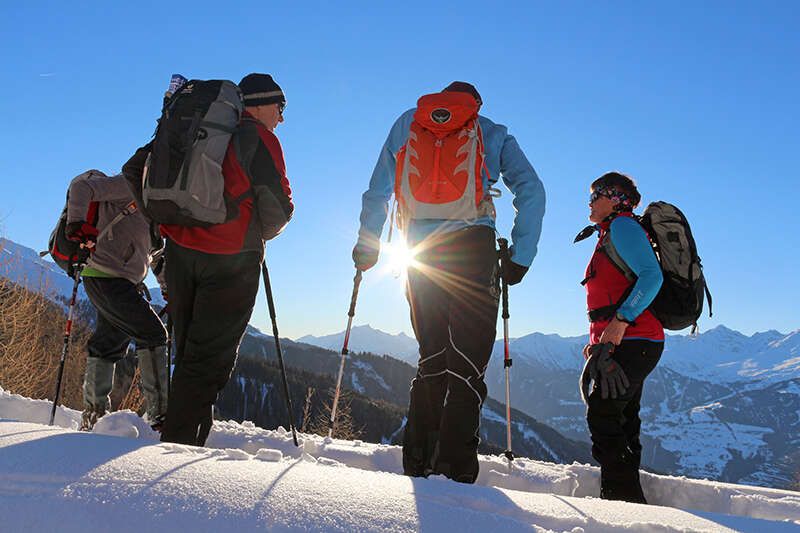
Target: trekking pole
[[165, 311], [170, 340], [78, 267], [351, 313], [271, 304], [503, 243]]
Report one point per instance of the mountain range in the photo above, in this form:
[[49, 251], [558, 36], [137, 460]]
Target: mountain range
[[721, 405], [375, 387]]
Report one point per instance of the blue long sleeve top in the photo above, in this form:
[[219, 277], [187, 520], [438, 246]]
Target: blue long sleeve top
[[503, 157], [633, 246]]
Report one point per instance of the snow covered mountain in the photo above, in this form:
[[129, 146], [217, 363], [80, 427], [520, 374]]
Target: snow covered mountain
[[23, 266], [722, 404], [739, 393], [380, 396], [366, 339]]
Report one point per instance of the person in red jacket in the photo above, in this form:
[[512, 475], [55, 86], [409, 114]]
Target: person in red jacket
[[213, 272], [619, 315]]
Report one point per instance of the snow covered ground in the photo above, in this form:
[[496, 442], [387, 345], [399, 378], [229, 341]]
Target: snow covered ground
[[120, 478]]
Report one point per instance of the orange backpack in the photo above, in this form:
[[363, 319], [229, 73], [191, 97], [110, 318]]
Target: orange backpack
[[438, 173]]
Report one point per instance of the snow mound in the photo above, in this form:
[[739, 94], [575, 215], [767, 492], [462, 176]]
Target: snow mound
[[250, 478]]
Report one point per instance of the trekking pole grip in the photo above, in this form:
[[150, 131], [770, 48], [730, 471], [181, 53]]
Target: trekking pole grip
[[356, 283], [504, 258]]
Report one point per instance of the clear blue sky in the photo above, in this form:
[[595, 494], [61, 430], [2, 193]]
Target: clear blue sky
[[697, 100]]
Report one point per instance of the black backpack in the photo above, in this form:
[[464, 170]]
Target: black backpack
[[679, 302], [182, 182], [65, 253]]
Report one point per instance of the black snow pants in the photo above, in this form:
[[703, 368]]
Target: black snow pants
[[122, 314], [614, 424], [453, 293], [211, 298]]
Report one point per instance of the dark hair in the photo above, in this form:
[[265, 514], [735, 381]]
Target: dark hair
[[620, 182], [464, 87]]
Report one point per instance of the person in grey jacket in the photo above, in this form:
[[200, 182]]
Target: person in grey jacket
[[123, 244]]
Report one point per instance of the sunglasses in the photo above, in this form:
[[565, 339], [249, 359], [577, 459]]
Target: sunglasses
[[281, 107], [597, 194]]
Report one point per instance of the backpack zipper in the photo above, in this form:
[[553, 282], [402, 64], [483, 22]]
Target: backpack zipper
[[436, 156]]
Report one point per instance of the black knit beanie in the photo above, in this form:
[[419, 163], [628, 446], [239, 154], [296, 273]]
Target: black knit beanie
[[464, 87], [260, 89]]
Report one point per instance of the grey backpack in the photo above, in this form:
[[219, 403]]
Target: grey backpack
[[679, 303], [182, 182]]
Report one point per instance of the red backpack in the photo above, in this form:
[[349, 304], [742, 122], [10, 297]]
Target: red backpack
[[438, 173]]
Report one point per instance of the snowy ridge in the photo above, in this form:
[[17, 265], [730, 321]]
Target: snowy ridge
[[252, 478], [366, 339], [23, 265], [719, 354]]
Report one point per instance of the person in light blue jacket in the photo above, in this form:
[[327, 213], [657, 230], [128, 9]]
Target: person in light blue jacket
[[453, 281]]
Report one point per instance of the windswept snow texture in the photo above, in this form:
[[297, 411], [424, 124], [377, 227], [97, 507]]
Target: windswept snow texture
[[57, 479]]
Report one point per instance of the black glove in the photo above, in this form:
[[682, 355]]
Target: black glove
[[81, 231], [513, 273], [601, 368], [364, 255]]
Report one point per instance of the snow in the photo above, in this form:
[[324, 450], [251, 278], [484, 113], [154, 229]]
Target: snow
[[356, 385], [702, 442], [370, 372], [120, 477]]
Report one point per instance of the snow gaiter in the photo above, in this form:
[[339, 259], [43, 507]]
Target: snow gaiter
[[97, 383], [153, 366]]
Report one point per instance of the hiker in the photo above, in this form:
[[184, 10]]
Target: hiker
[[636, 334], [453, 284], [214, 270], [122, 243]]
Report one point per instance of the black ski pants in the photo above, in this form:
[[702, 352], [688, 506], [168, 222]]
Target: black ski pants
[[453, 293], [211, 298], [614, 424], [122, 314]]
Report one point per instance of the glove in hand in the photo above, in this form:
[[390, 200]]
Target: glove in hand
[[81, 231], [513, 273], [364, 256], [601, 368]]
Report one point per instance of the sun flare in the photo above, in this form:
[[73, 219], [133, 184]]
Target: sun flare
[[400, 257]]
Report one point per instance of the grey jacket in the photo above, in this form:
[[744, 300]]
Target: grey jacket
[[126, 245]]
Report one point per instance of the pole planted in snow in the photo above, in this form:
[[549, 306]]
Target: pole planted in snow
[[351, 313], [503, 243], [279, 352], [77, 268]]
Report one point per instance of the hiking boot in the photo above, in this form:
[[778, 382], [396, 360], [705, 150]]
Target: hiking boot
[[90, 416], [156, 423]]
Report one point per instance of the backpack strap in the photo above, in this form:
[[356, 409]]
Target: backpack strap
[[607, 312], [244, 161], [607, 247], [609, 250], [708, 296], [109, 229]]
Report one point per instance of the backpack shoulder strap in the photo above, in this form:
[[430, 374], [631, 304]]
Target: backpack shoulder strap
[[244, 156], [109, 229], [607, 247]]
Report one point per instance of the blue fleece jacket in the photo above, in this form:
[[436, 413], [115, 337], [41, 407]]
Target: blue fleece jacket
[[503, 158]]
